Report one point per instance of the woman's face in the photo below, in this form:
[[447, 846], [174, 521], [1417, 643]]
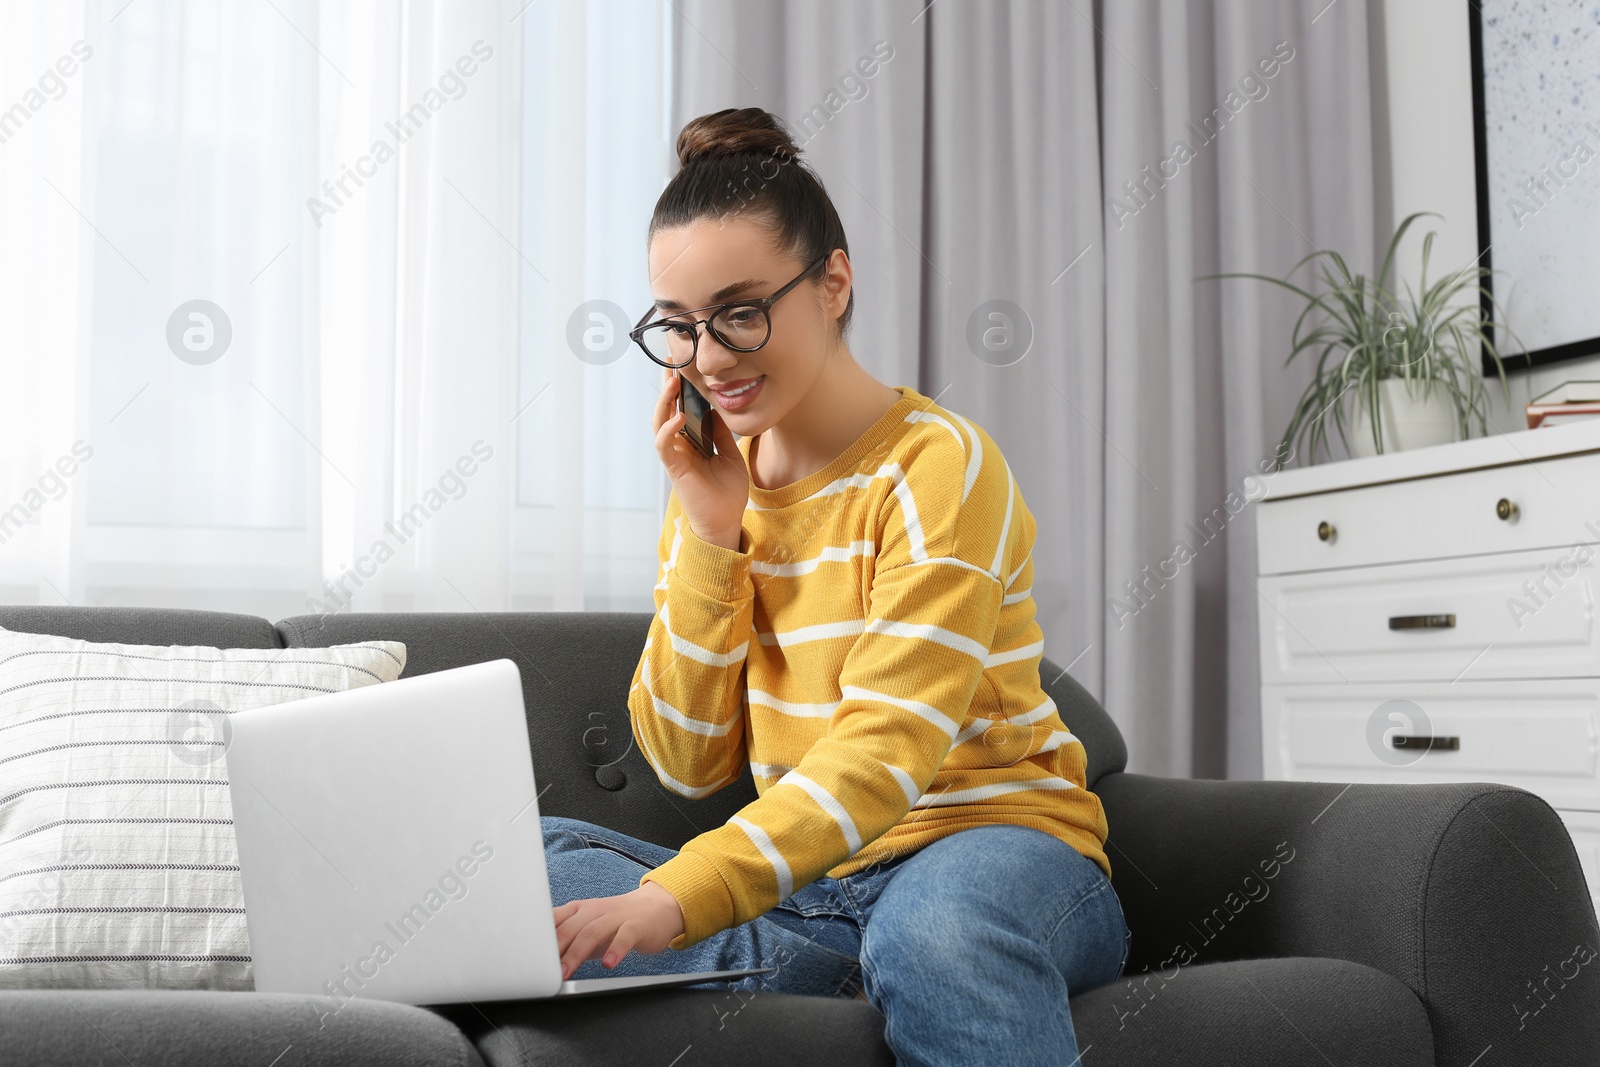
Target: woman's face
[[711, 261]]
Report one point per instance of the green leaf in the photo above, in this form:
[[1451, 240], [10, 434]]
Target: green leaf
[[1364, 332]]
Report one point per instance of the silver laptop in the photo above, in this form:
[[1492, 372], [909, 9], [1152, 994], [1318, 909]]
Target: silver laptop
[[390, 846]]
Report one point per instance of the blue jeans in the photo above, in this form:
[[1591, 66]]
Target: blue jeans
[[968, 947]]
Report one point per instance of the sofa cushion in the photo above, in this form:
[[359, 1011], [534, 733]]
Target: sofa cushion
[[1247, 1013], [205, 1028], [1254, 1013], [680, 1026], [118, 867]]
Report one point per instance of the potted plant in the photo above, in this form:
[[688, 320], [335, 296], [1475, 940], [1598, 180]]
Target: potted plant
[[1402, 369]]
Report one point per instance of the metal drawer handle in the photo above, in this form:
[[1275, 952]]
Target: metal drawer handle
[[1506, 510], [1422, 622], [1325, 530], [1425, 741]]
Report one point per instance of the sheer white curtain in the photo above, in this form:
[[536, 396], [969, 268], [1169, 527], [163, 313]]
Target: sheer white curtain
[[596, 153], [417, 231]]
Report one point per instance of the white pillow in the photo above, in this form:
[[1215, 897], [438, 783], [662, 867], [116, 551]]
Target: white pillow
[[118, 868]]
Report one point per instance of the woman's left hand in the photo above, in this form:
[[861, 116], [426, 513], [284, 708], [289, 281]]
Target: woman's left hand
[[645, 919]]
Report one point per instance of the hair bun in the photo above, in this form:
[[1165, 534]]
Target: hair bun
[[733, 131]]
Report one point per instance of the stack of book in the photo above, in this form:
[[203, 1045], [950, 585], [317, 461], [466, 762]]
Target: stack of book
[[1567, 402]]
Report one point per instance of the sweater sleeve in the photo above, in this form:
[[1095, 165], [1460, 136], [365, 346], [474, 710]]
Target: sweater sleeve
[[906, 686], [686, 703]]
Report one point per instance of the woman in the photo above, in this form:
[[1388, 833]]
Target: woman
[[844, 605]]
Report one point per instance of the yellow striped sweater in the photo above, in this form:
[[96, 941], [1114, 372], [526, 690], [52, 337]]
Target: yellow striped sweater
[[872, 653]]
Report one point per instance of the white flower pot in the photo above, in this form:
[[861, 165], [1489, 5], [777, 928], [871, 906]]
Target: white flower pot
[[1408, 421]]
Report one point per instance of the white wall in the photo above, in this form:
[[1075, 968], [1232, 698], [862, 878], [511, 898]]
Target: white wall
[[1428, 164]]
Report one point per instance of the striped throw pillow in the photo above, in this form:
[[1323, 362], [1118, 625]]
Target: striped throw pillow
[[118, 867]]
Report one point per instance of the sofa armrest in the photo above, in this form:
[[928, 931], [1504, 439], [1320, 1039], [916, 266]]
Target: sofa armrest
[[205, 1028], [1471, 894]]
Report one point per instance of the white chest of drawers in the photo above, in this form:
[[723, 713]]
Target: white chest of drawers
[[1430, 616]]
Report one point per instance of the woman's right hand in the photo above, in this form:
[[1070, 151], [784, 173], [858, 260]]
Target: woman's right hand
[[712, 492]]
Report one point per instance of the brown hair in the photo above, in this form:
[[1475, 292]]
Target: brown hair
[[742, 159]]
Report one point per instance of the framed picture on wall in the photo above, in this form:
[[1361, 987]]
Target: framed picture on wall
[[1536, 112]]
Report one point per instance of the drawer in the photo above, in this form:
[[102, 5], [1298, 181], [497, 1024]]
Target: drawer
[[1543, 736], [1557, 500], [1515, 615], [1584, 826]]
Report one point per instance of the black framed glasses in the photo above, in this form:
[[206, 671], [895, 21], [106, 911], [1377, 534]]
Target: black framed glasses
[[742, 325]]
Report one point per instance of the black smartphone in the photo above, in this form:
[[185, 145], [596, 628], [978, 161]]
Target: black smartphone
[[697, 416]]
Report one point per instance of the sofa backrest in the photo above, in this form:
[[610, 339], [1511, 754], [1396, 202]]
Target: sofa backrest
[[1087, 720], [576, 669], [143, 626]]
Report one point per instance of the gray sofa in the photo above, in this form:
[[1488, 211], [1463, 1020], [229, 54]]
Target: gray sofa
[[1273, 922]]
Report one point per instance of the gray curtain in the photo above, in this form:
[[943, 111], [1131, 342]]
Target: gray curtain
[[1005, 267]]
